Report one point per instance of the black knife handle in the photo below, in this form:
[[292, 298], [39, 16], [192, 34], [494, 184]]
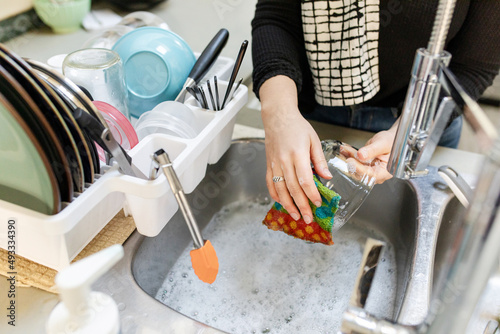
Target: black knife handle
[[209, 55]]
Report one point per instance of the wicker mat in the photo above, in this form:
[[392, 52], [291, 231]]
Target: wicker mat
[[30, 273]]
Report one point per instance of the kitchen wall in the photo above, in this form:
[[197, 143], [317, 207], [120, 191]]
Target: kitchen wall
[[11, 8]]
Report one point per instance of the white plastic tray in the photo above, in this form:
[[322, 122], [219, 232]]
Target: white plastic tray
[[55, 240]]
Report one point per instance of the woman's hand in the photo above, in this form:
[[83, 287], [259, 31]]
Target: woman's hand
[[291, 146], [376, 153]]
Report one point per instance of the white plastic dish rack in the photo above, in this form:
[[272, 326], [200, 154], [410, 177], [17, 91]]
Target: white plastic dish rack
[[55, 240]]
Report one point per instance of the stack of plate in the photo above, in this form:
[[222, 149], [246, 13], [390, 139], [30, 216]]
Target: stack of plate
[[46, 158]]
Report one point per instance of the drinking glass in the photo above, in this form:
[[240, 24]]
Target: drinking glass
[[351, 179], [100, 72]]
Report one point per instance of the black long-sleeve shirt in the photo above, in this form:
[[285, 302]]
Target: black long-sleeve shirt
[[473, 40]]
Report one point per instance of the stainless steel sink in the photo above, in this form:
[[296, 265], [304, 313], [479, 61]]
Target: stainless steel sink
[[448, 229], [404, 214]]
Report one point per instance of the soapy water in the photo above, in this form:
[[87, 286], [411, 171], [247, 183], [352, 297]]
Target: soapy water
[[270, 282]]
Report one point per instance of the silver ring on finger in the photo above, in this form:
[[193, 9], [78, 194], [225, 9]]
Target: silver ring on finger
[[277, 179]]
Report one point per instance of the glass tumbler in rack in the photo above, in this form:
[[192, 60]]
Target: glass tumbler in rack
[[101, 72]]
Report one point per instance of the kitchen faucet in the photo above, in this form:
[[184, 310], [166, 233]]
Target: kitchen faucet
[[475, 251], [422, 120]]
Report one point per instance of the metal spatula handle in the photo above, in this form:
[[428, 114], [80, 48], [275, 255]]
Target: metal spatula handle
[[166, 166]]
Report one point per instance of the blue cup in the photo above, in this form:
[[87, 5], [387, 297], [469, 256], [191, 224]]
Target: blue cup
[[157, 62]]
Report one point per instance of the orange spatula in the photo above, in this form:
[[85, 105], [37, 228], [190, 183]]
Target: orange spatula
[[203, 257]]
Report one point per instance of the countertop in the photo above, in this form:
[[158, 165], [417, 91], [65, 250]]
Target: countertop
[[33, 305]]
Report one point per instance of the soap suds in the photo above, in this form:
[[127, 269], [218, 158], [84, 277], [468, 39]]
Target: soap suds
[[269, 282]]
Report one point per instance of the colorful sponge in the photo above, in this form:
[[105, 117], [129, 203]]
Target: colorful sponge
[[319, 230]]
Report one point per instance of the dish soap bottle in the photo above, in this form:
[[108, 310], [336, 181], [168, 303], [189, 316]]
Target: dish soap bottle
[[81, 310]]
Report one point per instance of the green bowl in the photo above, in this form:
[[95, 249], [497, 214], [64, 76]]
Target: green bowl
[[63, 16]]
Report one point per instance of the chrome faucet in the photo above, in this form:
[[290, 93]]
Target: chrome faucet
[[423, 120], [476, 249]]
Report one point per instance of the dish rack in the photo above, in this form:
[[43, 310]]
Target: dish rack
[[55, 240]]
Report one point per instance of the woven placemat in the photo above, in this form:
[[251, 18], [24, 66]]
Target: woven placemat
[[30, 273]]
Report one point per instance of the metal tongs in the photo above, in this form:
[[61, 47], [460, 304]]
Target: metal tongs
[[102, 135]]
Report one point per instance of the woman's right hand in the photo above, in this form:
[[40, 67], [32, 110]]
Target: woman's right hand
[[291, 146]]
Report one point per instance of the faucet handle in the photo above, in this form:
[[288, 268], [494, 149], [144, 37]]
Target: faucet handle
[[457, 184]]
